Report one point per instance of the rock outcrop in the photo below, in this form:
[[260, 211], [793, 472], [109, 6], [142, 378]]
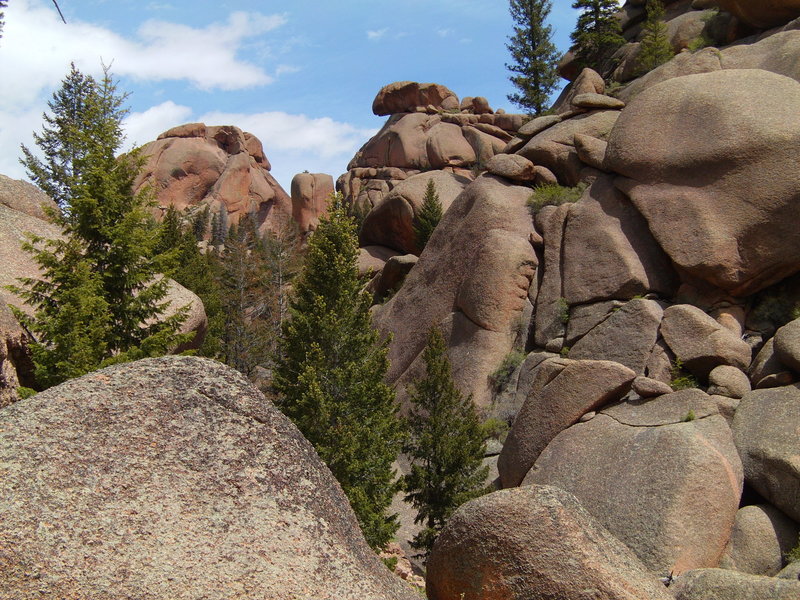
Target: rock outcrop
[[172, 478], [193, 167], [310, 195]]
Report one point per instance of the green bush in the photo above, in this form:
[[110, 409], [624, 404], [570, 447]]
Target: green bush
[[25, 392], [552, 194], [390, 562], [700, 42], [503, 373], [564, 353], [681, 378], [793, 555], [494, 428], [690, 416], [563, 310]]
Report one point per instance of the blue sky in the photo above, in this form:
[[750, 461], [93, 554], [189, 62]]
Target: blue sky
[[300, 75]]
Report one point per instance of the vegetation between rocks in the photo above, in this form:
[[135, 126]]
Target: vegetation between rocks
[[681, 379], [502, 375], [553, 194]]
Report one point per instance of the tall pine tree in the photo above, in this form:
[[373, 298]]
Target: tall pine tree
[[3, 4], [429, 216], [446, 446], [655, 48], [597, 33], [534, 56], [108, 229], [330, 375]]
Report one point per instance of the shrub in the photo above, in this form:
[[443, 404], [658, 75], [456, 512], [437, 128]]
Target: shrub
[[25, 392], [563, 310], [681, 378], [564, 353], [700, 42], [503, 373], [552, 194], [793, 555], [690, 416]]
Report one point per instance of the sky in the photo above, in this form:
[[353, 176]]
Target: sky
[[299, 75]]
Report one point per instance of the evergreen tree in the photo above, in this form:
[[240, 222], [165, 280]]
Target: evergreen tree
[[104, 224], [446, 447], [534, 55], [178, 257], [429, 216], [655, 48], [330, 375], [3, 4], [597, 34]]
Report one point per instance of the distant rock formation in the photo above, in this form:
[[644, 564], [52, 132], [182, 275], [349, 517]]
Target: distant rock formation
[[310, 195], [173, 478], [193, 166]]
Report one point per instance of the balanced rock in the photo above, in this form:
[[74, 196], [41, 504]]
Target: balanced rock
[[662, 475], [310, 195], [725, 380], [223, 168], [592, 101], [512, 166], [172, 478], [766, 429], [408, 96], [533, 542], [719, 194], [587, 82]]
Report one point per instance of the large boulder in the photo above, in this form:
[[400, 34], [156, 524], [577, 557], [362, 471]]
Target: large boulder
[[172, 478], [472, 280], [222, 168], [700, 342], [721, 584], [25, 197], [719, 194], [560, 394], [608, 251], [310, 195], [765, 13], [766, 429], [662, 475], [762, 536], [533, 542], [409, 96], [391, 222]]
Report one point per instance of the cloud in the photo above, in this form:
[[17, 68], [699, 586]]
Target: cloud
[[376, 34], [37, 48], [444, 32], [286, 69], [144, 127]]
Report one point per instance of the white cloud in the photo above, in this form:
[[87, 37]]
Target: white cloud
[[144, 127], [444, 32], [286, 69], [37, 48], [376, 34]]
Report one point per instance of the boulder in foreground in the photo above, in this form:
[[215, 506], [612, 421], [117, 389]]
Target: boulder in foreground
[[172, 478]]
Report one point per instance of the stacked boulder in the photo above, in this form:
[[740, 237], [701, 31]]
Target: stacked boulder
[[220, 169], [667, 273]]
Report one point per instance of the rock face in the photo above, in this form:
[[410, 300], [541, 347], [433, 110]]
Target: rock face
[[667, 485], [534, 542], [763, 14], [223, 168], [172, 478], [762, 536], [15, 359], [310, 195], [720, 584], [477, 292]]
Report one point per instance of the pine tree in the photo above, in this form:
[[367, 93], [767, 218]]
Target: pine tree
[[330, 375], [655, 48], [534, 55], [3, 4], [446, 448], [597, 33], [104, 223], [429, 216]]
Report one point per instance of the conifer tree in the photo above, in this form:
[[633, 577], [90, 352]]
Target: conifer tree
[[446, 447], [429, 216], [534, 55], [108, 230], [597, 33], [330, 375], [655, 48], [3, 4]]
